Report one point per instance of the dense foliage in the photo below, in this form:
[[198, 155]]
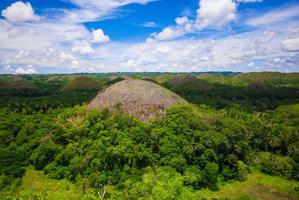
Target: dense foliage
[[189, 149], [256, 96], [114, 156]]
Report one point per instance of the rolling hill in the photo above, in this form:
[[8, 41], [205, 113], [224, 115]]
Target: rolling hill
[[83, 83], [188, 82], [139, 98]]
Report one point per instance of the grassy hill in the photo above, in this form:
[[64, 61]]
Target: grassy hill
[[187, 82], [139, 98], [83, 83], [275, 79], [17, 85]]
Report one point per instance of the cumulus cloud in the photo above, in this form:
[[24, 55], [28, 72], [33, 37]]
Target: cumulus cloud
[[211, 13], [82, 47], [29, 69], [182, 20], [183, 26], [72, 45], [20, 12], [253, 51], [216, 12], [242, 52], [167, 33], [69, 44], [98, 36], [291, 42]]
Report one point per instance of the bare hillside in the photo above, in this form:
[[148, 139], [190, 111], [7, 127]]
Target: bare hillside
[[139, 98]]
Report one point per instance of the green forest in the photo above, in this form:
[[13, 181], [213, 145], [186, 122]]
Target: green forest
[[236, 138]]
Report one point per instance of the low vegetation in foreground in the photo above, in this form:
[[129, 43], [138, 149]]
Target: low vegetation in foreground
[[222, 146]]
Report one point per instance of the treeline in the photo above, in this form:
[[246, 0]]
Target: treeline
[[44, 96], [44, 104], [253, 91], [189, 149], [253, 97]]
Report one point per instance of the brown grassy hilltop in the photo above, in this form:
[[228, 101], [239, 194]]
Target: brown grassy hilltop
[[83, 83], [188, 81], [17, 85], [139, 98]]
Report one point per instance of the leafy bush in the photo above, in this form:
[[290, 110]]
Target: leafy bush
[[276, 165]]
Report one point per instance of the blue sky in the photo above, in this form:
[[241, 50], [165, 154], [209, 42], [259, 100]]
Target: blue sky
[[69, 36]]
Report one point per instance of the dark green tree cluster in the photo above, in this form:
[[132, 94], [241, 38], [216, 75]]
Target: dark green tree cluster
[[253, 97], [189, 149], [121, 157]]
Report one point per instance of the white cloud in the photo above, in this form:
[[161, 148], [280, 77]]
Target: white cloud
[[216, 12], [234, 52], [182, 20], [291, 42], [82, 47], [167, 33], [66, 56], [251, 64], [98, 36], [150, 24], [279, 60], [91, 10], [59, 39], [20, 12], [29, 69], [275, 16], [211, 13], [70, 46]]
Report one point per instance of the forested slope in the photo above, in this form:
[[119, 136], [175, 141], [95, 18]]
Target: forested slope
[[220, 147]]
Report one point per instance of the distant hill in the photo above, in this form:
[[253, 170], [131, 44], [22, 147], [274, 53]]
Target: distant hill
[[215, 78], [83, 83], [139, 98], [17, 85], [114, 80], [188, 81], [274, 78], [150, 80], [3, 84]]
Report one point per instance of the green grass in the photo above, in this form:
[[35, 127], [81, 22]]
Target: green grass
[[257, 186], [36, 184]]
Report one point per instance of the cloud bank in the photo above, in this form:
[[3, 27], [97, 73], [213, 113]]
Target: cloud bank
[[27, 47]]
